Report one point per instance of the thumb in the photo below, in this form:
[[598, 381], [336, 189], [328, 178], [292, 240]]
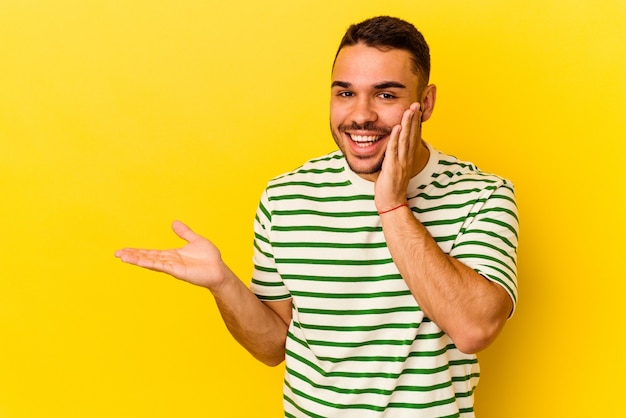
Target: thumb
[[183, 231]]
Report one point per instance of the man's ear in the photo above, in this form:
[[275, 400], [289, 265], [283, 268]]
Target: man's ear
[[427, 103]]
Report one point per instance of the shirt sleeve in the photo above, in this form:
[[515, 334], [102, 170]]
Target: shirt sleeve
[[489, 241], [267, 283]]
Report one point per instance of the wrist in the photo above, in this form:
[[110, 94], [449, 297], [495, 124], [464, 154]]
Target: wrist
[[392, 208], [222, 280]]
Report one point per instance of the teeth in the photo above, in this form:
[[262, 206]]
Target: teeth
[[364, 140]]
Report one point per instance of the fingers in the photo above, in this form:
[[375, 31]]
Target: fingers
[[149, 258], [167, 261], [411, 121], [129, 255], [183, 231], [156, 260], [415, 126], [137, 256], [392, 145], [409, 133]]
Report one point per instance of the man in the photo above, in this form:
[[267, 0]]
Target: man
[[381, 268]]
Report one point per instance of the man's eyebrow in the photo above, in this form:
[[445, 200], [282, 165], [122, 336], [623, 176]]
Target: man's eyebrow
[[342, 84], [380, 86], [389, 85]]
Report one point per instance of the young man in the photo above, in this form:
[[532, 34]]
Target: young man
[[381, 268]]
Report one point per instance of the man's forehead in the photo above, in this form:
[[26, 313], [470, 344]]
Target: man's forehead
[[358, 64], [362, 51]]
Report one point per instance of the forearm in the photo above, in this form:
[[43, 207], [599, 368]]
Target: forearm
[[468, 307], [253, 324]]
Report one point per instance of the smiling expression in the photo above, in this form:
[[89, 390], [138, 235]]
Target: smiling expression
[[370, 90]]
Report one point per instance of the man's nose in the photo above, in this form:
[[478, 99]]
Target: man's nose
[[363, 111]]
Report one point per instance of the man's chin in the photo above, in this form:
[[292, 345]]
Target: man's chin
[[364, 168]]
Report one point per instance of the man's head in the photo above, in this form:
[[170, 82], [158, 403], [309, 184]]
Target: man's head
[[385, 33], [381, 68]]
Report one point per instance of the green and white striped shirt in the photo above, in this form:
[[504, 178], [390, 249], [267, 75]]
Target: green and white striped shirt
[[358, 344]]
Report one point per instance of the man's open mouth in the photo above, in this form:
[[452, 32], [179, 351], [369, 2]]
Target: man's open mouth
[[365, 140]]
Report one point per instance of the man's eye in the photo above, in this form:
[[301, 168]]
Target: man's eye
[[345, 94], [386, 96]]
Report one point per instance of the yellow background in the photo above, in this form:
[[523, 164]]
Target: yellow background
[[118, 117]]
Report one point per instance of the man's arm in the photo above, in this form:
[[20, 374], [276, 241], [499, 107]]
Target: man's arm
[[261, 328], [468, 307]]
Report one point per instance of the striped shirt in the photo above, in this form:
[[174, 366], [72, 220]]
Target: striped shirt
[[358, 344]]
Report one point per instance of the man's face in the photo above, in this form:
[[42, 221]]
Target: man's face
[[370, 90]]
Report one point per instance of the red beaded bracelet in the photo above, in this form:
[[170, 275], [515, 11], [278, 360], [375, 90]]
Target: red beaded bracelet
[[394, 208]]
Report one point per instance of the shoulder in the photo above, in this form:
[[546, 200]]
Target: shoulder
[[317, 170], [317, 180], [452, 171]]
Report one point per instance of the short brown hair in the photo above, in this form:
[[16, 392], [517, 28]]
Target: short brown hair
[[385, 32]]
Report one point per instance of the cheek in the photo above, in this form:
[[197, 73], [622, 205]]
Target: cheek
[[394, 116], [337, 116]]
